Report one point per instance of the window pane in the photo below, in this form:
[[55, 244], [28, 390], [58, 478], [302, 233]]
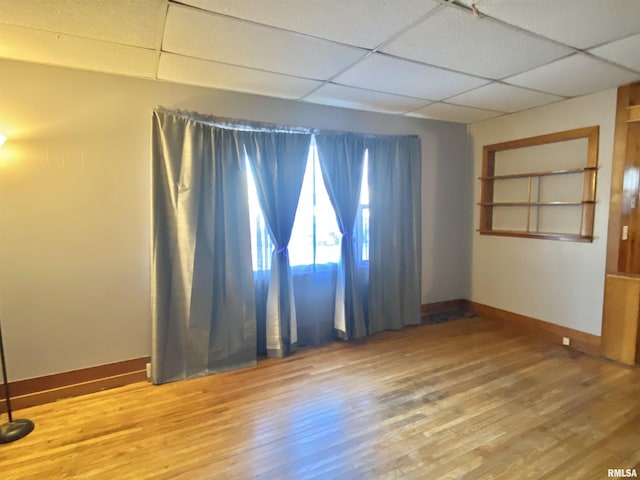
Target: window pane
[[316, 237], [327, 231], [364, 253], [364, 185], [362, 222], [301, 243], [261, 245]]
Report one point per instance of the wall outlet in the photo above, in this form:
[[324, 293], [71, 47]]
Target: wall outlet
[[566, 341], [148, 371]]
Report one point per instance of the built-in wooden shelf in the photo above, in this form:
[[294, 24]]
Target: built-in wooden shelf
[[587, 173]]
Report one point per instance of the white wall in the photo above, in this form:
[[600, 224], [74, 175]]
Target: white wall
[[558, 282], [75, 209]]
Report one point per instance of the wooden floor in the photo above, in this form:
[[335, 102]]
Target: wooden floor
[[464, 399]]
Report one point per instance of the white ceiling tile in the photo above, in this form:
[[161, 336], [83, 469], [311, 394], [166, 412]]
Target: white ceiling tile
[[575, 75], [402, 77], [365, 23], [455, 39], [209, 36], [348, 97], [212, 42], [20, 43], [624, 52], [580, 23], [503, 98], [453, 113], [130, 22], [192, 71]]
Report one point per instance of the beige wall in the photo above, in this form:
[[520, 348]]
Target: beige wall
[[74, 206], [559, 282]]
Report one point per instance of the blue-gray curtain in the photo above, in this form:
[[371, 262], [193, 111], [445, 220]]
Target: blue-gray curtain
[[278, 161], [202, 291], [341, 161], [394, 232]]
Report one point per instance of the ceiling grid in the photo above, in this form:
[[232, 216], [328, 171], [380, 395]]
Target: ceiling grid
[[436, 59]]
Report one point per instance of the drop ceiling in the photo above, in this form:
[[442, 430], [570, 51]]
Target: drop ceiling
[[454, 60]]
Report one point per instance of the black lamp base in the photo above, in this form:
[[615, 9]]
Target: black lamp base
[[12, 431]]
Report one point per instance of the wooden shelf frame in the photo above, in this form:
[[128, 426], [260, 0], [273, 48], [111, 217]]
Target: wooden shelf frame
[[545, 173], [586, 203], [566, 237], [535, 204]]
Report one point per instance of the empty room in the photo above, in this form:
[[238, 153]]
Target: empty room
[[319, 239]]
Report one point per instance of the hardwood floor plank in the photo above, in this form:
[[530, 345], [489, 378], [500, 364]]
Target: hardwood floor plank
[[465, 399]]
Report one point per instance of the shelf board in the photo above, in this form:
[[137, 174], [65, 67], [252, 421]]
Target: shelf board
[[533, 204], [567, 237], [543, 173]]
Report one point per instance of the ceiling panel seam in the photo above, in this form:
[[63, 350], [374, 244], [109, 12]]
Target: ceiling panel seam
[[377, 48], [160, 39]]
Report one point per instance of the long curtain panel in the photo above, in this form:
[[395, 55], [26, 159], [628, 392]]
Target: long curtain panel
[[278, 161], [341, 161], [202, 292], [395, 232]]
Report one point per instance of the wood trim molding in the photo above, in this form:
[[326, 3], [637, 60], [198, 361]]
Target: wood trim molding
[[49, 388], [617, 179], [442, 307], [634, 113], [543, 139], [581, 341]]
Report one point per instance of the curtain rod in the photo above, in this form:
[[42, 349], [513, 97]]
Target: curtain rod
[[254, 126]]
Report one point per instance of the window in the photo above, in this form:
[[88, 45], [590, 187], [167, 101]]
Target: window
[[361, 231], [315, 239], [261, 244], [541, 187]]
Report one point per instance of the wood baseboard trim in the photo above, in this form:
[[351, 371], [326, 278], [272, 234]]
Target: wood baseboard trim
[[580, 341], [49, 388], [442, 307]]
